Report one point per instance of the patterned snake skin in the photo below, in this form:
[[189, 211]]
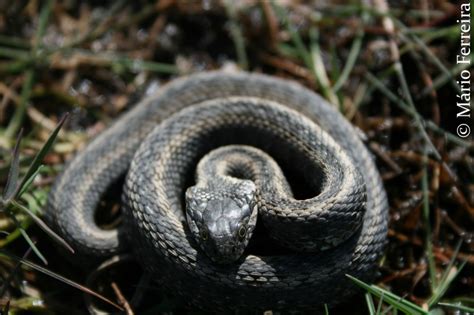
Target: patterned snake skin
[[322, 210]]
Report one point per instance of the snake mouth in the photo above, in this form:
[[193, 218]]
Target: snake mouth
[[224, 254]]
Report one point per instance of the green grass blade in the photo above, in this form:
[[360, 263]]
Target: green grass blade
[[390, 298], [43, 22], [451, 261], [443, 286], [379, 306], [236, 34], [353, 54], [458, 307], [351, 59], [444, 78], [19, 114], [319, 70], [374, 81], [14, 235], [40, 156], [11, 274], [326, 309], [370, 303], [32, 245], [30, 181], [15, 54], [20, 111], [426, 218], [419, 123], [43, 226], [14, 41], [14, 171], [296, 39], [288, 50], [427, 52], [136, 65], [6, 309], [14, 67], [299, 45], [440, 288]]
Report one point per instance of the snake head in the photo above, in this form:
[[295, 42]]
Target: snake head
[[222, 218]]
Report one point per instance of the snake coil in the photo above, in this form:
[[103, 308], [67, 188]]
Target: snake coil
[[271, 156]]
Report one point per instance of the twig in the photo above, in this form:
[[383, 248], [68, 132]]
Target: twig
[[288, 65], [385, 157], [122, 300], [272, 22]]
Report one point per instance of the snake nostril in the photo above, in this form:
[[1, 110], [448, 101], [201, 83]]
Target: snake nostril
[[108, 214]]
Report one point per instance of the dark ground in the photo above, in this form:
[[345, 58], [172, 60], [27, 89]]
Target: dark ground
[[390, 69]]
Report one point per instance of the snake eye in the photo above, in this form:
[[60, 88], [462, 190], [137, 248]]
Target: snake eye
[[242, 231], [204, 235]]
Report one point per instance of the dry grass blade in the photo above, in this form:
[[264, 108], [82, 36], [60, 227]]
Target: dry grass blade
[[123, 301]]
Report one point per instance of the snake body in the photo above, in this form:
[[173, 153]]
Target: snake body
[[272, 157]]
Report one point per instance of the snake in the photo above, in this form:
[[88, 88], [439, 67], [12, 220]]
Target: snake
[[241, 191]]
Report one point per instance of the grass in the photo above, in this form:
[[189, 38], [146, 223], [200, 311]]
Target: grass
[[391, 299], [17, 119], [14, 189], [93, 61], [12, 206]]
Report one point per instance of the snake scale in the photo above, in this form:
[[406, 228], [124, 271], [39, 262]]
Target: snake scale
[[218, 165]]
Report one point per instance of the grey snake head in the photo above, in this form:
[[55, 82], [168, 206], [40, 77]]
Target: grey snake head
[[222, 217]]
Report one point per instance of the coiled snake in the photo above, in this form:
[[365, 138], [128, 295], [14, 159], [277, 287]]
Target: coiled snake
[[208, 158]]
